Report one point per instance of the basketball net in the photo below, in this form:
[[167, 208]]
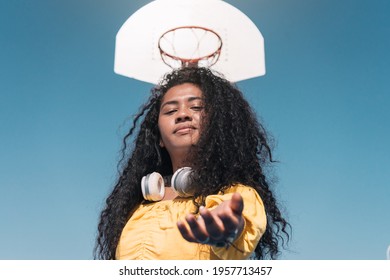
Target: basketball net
[[190, 46]]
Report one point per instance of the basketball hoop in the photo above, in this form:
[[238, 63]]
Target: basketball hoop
[[190, 46]]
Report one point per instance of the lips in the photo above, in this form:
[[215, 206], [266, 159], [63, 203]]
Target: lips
[[184, 129]]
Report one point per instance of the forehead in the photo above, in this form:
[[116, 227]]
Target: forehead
[[182, 91]]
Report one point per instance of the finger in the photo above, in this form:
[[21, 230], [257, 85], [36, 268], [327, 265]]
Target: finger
[[237, 204], [214, 229], [232, 219], [185, 232], [230, 223], [197, 228]]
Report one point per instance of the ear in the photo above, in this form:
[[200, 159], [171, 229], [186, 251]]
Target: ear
[[161, 143]]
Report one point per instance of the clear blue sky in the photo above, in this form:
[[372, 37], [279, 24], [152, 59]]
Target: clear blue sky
[[325, 98]]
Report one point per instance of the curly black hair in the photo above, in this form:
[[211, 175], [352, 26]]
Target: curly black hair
[[233, 148]]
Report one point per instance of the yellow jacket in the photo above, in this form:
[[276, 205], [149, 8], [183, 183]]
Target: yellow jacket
[[152, 234]]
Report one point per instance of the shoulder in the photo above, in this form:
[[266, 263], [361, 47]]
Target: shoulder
[[241, 188], [247, 192], [249, 195]]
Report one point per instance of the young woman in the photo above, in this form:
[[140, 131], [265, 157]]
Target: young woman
[[199, 120]]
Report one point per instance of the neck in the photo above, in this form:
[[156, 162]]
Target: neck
[[169, 194], [179, 162]]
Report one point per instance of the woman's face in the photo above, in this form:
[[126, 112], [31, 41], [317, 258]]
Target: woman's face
[[179, 118]]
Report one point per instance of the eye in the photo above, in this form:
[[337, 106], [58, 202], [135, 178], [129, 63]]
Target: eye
[[197, 108], [170, 112]]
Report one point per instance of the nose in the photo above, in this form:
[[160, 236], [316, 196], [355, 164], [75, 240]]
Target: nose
[[183, 115]]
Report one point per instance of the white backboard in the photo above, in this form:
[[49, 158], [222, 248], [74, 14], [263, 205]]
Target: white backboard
[[137, 55]]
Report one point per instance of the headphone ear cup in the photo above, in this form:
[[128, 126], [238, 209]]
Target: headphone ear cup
[[181, 182], [152, 186]]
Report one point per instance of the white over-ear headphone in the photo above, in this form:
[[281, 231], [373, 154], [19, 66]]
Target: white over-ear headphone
[[153, 187]]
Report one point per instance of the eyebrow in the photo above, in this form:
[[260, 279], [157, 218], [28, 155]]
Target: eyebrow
[[175, 102]]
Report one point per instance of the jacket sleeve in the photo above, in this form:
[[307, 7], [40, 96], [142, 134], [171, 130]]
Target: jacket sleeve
[[255, 222]]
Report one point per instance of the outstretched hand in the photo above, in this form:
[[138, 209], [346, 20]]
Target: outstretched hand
[[218, 226]]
